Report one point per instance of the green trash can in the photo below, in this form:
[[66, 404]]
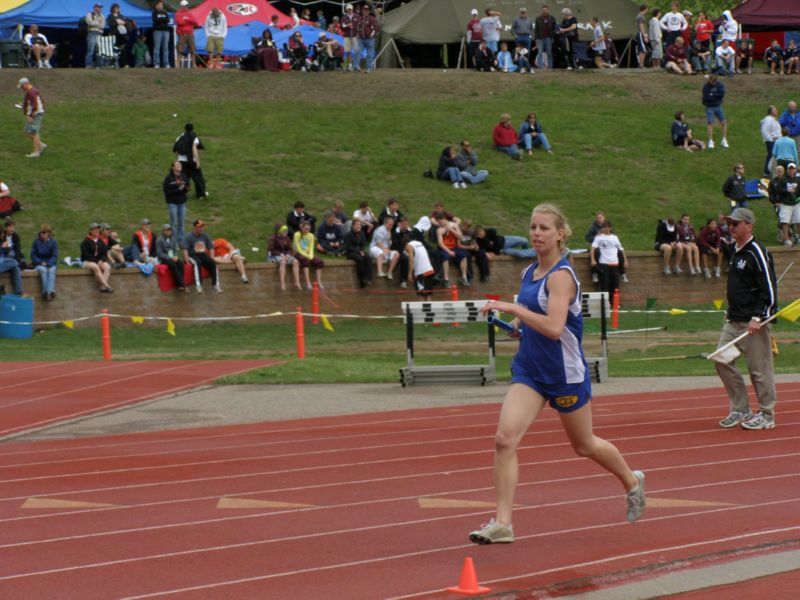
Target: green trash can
[[16, 317], [11, 53]]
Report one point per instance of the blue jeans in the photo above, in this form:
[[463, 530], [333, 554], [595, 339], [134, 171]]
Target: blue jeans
[[9, 264], [161, 48], [725, 66], [476, 178], [452, 174], [700, 64], [510, 150], [545, 47], [48, 277], [91, 45], [525, 40], [769, 146], [518, 246], [367, 44], [492, 46], [524, 63], [530, 141], [177, 215]]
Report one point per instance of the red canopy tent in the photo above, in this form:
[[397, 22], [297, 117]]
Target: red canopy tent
[[244, 11], [772, 15]]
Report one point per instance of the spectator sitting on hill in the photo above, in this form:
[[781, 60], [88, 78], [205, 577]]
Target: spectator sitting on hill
[[606, 253], [41, 49], [44, 259], [225, 253], [467, 162], [700, 57], [530, 135], [280, 252], [8, 264], [367, 218], [303, 244], [355, 248], [327, 53], [725, 59], [505, 138], [267, 51], [297, 217], [505, 62], [169, 254], [340, 217], [677, 59], [140, 52], [688, 239], [447, 238], [14, 244], [521, 60], [792, 58], [381, 251], [785, 149], [667, 244], [710, 244], [392, 209], [329, 236], [143, 247], [198, 251], [298, 51], [734, 187], [484, 59], [447, 170], [598, 45], [682, 136], [94, 256], [8, 205], [773, 57], [745, 54]]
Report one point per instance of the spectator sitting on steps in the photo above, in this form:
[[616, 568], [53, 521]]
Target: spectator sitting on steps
[[280, 252], [94, 257], [381, 250], [225, 253], [667, 243], [169, 254], [198, 251], [304, 244], [329, 236]]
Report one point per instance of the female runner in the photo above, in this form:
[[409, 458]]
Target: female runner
[[549, 368]]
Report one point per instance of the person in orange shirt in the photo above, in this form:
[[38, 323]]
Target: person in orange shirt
[[225, 253]]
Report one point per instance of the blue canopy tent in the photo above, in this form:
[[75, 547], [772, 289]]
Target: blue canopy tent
[[240, 38], [65, 14]]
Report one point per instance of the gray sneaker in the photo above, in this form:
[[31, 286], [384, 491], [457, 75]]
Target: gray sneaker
[[759, 421], [636, 500], [492, 533], [734, 419]]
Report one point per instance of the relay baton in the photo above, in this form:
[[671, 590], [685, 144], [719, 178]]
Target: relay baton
[[492, 320]]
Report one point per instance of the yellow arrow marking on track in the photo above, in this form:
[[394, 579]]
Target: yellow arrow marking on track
[[448, 503], [58, 503], [676, 503], [250, 503]]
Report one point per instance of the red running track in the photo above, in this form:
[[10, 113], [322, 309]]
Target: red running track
[[39, 394], [379, 505]]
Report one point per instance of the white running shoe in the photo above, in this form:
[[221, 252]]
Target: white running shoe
[[759, 421], [724, 143], [636, 499], [734, 419], [492, 533], [710, 144]]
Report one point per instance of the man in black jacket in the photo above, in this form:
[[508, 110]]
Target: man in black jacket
[[734, 187], [752, 299], [544, 32]]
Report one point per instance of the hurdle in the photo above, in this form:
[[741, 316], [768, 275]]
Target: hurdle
[[428, 313]]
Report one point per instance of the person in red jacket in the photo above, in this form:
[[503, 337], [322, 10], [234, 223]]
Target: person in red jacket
[[504, 137], [185, 24]]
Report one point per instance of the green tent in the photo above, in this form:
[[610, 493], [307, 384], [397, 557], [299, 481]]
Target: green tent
[[445, 21]]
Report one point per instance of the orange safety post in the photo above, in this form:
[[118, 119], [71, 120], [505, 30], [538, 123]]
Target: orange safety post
[[315, 304], [454, 298], [615, 310], [105, 329], [299, 334]]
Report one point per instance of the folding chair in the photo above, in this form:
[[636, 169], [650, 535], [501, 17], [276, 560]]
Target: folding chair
[[107, 52]]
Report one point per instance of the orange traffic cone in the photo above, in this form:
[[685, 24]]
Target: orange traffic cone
[[468, 584]]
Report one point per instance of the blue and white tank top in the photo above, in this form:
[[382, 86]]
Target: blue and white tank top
[[545, 360]]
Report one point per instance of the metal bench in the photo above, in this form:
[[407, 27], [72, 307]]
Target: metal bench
[[428, 313]]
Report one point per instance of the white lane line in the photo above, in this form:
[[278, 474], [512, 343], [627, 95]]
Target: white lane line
[[95, 368], [289, 442], [339, 426], [351, 505], [430, 551]]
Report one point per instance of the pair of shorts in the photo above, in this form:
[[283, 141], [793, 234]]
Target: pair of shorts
[[376, 253], [186, 39], [35, 125], [215, 45], [315, 262], [789, 213], [276, 259], [657, 49], [565, 398], [641, 45], [350, 45], [714, 111]]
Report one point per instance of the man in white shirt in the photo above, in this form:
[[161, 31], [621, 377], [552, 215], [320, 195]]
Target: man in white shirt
[[380, 249], [729, 28], [770, 133], [41, 49], [726, 57], [673, 23], [491, 28]]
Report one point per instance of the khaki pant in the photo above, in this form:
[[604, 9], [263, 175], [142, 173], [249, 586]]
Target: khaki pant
[[757, 351]]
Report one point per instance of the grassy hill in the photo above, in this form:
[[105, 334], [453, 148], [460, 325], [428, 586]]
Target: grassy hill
[[273, 139]]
